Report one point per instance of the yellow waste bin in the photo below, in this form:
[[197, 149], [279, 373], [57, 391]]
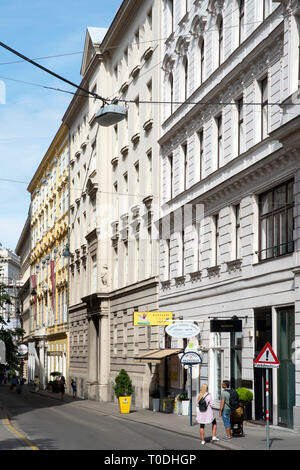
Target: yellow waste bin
[[124, 403]]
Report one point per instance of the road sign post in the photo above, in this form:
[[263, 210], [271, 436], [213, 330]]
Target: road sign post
[[191, 358], [267, 360]]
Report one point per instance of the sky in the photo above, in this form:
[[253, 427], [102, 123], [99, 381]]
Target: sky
[[31, 115]]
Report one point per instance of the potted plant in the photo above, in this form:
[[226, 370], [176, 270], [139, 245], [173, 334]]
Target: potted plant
[[245, 398], [155, 400], [183, 397], [123, 390]]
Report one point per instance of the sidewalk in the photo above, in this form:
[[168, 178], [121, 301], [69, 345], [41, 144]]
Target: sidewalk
[[8, 439], [255, 435]]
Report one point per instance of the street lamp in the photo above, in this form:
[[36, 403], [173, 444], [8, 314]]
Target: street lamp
[[110, 114]]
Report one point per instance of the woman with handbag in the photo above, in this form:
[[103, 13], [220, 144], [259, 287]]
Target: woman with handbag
[[205, 413]]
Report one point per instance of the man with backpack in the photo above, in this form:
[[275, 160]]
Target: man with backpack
[[229, 403]]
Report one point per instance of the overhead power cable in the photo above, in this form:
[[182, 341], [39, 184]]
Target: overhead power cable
[[13, 51]]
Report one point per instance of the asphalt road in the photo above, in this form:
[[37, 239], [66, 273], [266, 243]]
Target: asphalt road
[[53, 425]]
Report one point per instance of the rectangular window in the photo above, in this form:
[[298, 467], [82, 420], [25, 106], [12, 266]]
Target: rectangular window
[[125, 262], [125, 182], [264, 108], [170, 7], [137, 175], [219, 143], [241, 21], [241, 137], [237, 248], [182, 254], [266, 8], [170, 160], [185, 166], [168, 248], [276, 221], [149, 161], [201, 154], [216, 258]]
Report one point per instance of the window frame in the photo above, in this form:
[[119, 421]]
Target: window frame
[[271, 215]]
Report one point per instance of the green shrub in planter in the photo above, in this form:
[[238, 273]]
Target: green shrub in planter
[[183, 396], [123, 385], [244, 394]]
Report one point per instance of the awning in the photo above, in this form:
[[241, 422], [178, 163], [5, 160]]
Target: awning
[[156, 355]]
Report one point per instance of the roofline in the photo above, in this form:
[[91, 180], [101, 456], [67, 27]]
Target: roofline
[[60, 135], [118, 22], [25, 230]]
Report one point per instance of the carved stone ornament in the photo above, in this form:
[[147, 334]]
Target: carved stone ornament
[[182, 45], [168, 63], [198, 26], [290, 7], [104, 275], [215, 7]]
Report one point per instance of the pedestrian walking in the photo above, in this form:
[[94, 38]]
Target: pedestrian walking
[[14, 383], [5, 377], [62, 384], [74, 387], [205, 413], [225, 410], [20, 387], [1, 377]]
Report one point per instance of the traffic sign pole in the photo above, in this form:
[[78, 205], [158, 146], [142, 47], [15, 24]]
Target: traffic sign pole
[[191, 397], [267, 360], [267, 409]]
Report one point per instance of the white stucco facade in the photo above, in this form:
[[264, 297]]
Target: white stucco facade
[[226, 152]]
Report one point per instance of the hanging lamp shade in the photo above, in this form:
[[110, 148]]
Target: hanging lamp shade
[[110, 114]]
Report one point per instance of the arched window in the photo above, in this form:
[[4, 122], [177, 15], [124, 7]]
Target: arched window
[[220, 40]]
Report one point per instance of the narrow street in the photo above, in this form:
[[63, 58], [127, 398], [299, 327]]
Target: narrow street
[[53, 425]]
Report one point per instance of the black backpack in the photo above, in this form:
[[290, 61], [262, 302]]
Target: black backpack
[[203, 404], [234, 402]]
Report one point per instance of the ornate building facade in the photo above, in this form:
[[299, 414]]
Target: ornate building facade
[[49, 189], [230, 163]]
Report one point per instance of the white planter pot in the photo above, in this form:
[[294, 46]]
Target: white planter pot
[[155, 404], [185, 407], [178, 410]]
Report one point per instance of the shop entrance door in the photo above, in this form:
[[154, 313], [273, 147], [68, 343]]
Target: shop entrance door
[[286, 371], [263, 335], [236, 359]]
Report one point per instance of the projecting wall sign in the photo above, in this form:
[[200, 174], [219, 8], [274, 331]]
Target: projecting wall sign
[[182, 329]]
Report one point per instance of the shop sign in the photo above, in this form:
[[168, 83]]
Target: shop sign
[[191, 358], [55, 353], [225, 326], [183, 329], [152, 318]]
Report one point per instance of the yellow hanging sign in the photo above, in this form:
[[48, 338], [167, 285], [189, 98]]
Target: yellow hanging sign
[[153, 318]]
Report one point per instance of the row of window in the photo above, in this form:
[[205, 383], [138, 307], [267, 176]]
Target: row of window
[[276, 225], [49, 181], [198, 59], [237, 134]]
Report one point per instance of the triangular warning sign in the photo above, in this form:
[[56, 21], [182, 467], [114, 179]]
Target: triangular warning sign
[[267, 357]]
